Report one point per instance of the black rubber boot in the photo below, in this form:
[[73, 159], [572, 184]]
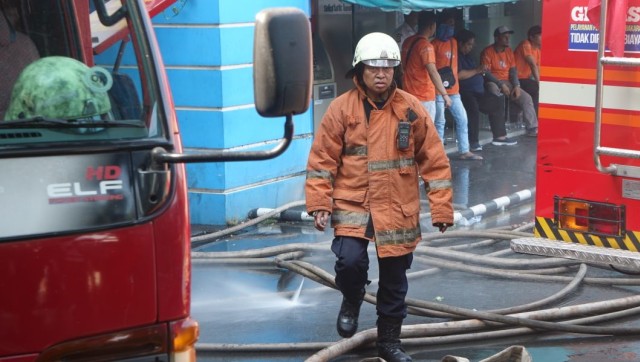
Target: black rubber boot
[[347, 323], [388, 342]]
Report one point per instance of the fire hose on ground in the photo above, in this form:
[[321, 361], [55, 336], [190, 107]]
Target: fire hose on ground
[[465, 324], [461, 324]]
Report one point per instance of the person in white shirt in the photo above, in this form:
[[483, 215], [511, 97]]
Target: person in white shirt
[[408, 28]]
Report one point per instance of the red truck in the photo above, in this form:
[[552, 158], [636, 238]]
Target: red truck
[[588, 168], [94, 223]]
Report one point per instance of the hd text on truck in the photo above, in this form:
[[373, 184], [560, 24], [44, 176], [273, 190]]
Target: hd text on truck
[[94, 223]]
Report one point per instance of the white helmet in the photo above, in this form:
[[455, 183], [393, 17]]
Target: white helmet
[[377, 50]]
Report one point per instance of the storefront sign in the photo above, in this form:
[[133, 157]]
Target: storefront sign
[[583, 35], [333, 7]]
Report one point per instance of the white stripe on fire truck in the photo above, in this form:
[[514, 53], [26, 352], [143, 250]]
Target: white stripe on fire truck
[[583, 95]]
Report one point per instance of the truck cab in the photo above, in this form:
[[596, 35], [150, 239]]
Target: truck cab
[[94, 221]]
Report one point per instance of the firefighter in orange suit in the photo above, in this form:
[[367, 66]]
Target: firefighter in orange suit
[[363, 173]]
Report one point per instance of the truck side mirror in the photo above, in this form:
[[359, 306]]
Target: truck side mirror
[[282, 73], [282, 77]]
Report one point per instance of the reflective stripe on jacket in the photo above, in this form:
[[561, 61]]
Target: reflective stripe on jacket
[[356, 171]]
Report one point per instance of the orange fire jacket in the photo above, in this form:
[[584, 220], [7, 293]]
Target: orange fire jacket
[[356, 171]]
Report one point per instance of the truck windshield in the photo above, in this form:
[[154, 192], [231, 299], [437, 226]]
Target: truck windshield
[[69, 78]]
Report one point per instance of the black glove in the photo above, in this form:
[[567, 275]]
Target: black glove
[[442, 226]]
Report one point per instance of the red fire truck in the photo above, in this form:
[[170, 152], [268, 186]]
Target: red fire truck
[[94, 224], [588, 167]]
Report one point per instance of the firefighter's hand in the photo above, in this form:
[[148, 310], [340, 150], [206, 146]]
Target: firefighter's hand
[[320, 219], [442, 226]]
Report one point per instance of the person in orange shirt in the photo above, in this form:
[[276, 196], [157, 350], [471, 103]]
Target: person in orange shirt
[[408, 28], [527, 55], [502, 77], [472, 93], [420, 76], [446, 48]]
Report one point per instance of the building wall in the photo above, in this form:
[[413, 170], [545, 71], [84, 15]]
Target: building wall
[[519, 16], [207, 47]]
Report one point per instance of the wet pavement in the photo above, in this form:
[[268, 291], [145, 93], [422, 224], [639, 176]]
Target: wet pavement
[[249, 309]]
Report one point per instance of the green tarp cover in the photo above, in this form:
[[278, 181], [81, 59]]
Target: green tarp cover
[[408, 5]]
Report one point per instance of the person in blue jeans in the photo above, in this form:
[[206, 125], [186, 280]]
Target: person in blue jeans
[[446, 49]]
